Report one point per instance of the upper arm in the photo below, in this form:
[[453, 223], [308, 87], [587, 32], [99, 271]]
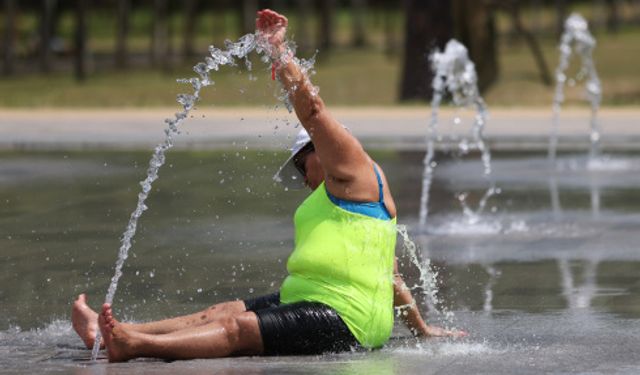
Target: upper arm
[[347, 168], [341, 155]]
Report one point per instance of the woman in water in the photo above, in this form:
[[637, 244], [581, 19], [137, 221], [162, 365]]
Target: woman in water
[[343, 282]]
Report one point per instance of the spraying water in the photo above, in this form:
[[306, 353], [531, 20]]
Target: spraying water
[[218, 57], [428, 276], [576, 37], [455, 73]]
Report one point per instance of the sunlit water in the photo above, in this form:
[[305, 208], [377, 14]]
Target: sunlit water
[[555, 289]]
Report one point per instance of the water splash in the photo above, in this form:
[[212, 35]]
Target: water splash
[[472, 217], [283, 56], [428, 276], [455, 73], [576, 37], [217, 58]]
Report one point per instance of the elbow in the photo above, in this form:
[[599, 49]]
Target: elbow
[[314, 110]]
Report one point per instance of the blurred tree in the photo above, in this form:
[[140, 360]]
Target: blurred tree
[[219, 26], [391, 44], [512, 7], [160, 54], [302, 32], [613, 15], [536, 9], [248, 10], [9, 36], [279, 6], [474, 26], [429, 25], [358, 14], [190, 18], [326, 25], [46, 31], [122, 32], [561, 16], [598, 16], [80, 41]]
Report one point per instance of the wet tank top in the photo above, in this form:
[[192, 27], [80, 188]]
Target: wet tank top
[[345, 260]]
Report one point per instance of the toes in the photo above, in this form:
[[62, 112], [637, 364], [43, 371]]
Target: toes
[[110, 321], [106, 308], [107, 316], [82, 298]]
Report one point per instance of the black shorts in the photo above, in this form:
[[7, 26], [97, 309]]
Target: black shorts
[[301, 328]]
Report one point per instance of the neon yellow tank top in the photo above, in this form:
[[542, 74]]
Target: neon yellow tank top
[[344, 260]]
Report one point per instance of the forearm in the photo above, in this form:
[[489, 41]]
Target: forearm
[[302, 94], [340, 153], [409, 312]]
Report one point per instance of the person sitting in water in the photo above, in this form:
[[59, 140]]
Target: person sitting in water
[[343, 282]]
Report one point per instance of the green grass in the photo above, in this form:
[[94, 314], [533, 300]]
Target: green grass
[[616, 58], [345, 76]]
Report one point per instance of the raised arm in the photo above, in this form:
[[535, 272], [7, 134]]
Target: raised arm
[[346, 165], [410, 314]]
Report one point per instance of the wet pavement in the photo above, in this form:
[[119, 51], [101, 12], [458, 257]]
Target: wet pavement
[[548, 280]]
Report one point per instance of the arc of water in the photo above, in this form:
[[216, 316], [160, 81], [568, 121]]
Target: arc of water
[[454, 73], [217, 58], [576, 37]]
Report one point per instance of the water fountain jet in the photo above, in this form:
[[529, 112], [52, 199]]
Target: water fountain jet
[[217, 58], [455, 73], [577, 38]]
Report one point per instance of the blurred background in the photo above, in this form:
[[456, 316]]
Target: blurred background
[[114, 53]]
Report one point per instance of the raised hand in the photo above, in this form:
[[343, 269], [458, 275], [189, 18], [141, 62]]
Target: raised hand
[[272, 26]]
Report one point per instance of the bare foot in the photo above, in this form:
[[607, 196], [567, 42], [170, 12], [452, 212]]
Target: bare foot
[[116, 337], [85, 321]]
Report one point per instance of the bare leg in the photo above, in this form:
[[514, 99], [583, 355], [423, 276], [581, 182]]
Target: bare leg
[[85, 320], [226, 337], [216, 312]]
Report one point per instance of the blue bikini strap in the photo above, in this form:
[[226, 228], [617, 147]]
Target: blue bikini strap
[[381, 193]]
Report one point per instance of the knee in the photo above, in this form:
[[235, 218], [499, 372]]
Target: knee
[[242, 333], [231, 327]]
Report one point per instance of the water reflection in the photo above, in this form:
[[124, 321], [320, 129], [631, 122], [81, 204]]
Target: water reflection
[[594, 194], [494, 274], [579, 296], [558, 248]]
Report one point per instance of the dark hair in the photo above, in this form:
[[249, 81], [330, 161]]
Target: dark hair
[[301, 156]]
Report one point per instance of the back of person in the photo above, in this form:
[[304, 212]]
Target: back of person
[[344, 260]]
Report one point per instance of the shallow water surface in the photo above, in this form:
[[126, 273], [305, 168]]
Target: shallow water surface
[[547, 281]]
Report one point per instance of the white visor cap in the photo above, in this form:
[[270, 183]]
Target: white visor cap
[[288, 175]]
